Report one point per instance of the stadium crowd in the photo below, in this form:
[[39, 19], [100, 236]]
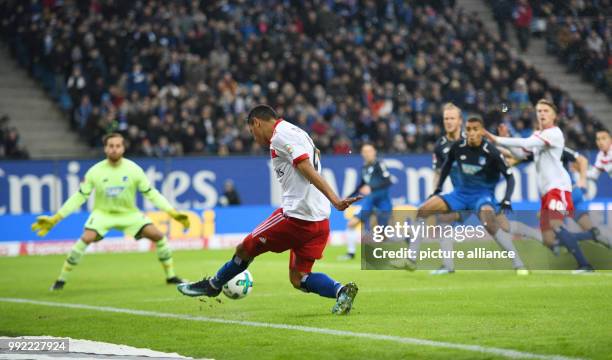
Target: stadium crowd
[[581, 37], [176, 77]]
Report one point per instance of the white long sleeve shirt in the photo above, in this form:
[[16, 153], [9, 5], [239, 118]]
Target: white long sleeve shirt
[[547, 147]]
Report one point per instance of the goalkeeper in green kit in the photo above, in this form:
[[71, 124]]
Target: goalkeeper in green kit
[[114, 182]]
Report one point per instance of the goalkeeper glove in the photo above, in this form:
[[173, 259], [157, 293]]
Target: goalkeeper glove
[[180, 217], [44, 224]]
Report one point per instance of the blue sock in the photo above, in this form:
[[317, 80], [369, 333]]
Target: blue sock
[[321, 284], [230, 269], [571, 243], [584, 235]]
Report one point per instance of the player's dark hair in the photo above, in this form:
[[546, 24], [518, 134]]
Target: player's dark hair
[[112, 135], [367, 143], [262, 112], [475, 118], [549, 103], [603, 130]]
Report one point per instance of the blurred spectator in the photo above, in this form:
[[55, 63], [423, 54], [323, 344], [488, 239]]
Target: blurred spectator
[[178, 77], [502, 12], [523, 15], [580, 34], [230, 196], [10, 142]]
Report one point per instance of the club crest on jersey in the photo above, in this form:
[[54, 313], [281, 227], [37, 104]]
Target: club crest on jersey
[[289, 149], [445, 150], [482, 160]]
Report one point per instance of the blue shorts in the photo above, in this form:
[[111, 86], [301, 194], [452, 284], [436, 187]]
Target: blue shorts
[[460, 200], [379, 200], [581, 206]]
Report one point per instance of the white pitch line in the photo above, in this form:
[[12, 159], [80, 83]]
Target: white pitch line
[[568, 272], [509, 353]]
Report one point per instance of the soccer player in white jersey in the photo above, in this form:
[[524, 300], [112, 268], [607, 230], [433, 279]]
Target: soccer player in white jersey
[[603, 161], [554, 182], [301, 225]]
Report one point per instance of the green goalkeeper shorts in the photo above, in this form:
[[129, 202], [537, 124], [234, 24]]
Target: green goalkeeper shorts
[[130, 223]]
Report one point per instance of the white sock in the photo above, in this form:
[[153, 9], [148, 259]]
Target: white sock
[[415, 245], [447, 246], [518, 228], [504, 240], [351, 238], [415, 241]]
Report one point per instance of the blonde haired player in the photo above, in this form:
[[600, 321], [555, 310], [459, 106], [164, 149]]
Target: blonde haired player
[[553, 180], [114, 182]]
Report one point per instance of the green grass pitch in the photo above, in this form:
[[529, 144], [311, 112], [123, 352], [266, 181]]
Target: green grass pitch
[[544, 313]]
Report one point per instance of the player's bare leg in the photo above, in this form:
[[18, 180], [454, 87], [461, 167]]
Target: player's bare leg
[[433, 206], [163, 250], [74, 257]]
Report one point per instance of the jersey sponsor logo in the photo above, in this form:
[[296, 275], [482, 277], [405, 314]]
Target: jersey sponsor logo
[[114, 191], [470, 169]]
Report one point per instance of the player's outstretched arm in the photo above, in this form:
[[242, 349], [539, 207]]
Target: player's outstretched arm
[[531, 142], [162, 203], [44, 224], [159, 201], [514, 155], [309, 172]]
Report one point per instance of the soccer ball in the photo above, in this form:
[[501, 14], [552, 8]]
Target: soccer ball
[[240, 286]]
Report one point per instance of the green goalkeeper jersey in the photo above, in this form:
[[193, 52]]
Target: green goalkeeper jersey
[[114, 189]]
